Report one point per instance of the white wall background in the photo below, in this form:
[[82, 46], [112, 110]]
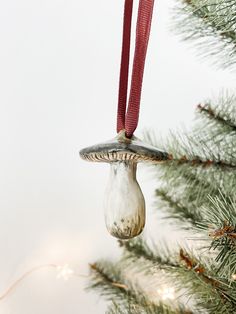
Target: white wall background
[[59, 64]]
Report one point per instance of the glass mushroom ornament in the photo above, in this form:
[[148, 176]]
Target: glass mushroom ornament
[[124, 201]]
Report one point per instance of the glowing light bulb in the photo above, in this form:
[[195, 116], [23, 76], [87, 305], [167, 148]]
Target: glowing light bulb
[[64, 272], [124, 202], [167, 293]]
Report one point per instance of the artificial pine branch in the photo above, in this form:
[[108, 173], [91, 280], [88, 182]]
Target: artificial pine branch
[[209, 143], [138, 247], [197, 161], [204, 160], [175, 209], [224, 106], [146, 309], [202, 282], [211, 24], [194, 265], [125, 298], [193, 184], [184, 190], [107, 278], [220, 117], [220, 225], [222, 296]]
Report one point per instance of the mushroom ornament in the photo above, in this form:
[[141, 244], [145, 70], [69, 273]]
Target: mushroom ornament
[[124, 200]]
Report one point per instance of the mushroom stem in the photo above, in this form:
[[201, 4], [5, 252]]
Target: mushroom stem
[[124, 201]]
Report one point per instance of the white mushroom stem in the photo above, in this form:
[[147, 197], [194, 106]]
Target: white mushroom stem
[[124, 201]]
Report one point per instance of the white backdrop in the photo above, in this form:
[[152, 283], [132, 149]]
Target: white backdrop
[[59, 64]]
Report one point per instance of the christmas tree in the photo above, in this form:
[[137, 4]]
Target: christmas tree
[[195, 190]]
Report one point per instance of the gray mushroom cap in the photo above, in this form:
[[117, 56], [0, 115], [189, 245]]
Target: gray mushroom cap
[[122, 148]]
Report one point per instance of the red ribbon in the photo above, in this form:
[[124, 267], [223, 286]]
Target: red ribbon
[[129, 120]]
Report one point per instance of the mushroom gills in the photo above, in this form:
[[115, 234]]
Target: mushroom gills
[[124, 201]]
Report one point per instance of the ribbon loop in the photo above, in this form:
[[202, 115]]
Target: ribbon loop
[[129, 120]]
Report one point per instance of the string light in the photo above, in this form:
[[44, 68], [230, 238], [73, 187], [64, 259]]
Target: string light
[[233, 276], [63, 271]]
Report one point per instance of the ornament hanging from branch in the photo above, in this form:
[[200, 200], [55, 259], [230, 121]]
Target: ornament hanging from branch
[[124, 201]]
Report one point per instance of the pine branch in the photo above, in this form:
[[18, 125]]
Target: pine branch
[[198, 161], [224, 299], [220, 224], [216, 127], [176, 210], [125, 297], [220, 117], [208, 144], [144, 308], [188, 188], [216, 16], [204, 159], [200, 280], [211, 24], [107, 278], [138, 247], [194, 265]]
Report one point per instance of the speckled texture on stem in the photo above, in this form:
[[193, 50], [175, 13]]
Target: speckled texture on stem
[[124, 202]]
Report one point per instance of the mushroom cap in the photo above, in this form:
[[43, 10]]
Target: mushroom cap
[[122, 148]]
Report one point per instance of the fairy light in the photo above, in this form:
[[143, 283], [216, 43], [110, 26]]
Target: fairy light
[[65, 272], [233, 276], [167, 293]]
